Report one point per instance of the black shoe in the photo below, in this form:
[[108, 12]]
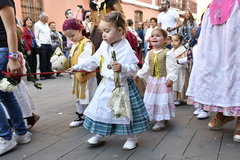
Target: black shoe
[[42, 78], [51, 77], [78, 121]]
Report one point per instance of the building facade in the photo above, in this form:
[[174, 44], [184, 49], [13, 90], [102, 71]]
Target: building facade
[[138, 10]]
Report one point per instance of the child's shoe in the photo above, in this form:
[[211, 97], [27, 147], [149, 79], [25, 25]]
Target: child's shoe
[[159, 125], [78, 121], [22, 139], [197, 111], [177, 103], [130, 144], [216, 124], [32, 120], [6, 145], [202, 114], [236, 136], [96, 140]]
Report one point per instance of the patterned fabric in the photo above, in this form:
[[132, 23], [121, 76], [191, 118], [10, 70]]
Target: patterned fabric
[[158, 99], [161, 63], [230, 111], [140, 122], [215, 74]]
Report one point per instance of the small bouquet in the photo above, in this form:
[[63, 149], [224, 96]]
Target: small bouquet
[[10, 82], [119, 102], [59, 60]]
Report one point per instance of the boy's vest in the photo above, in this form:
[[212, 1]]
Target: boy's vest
[[80, 78], [157, 63]]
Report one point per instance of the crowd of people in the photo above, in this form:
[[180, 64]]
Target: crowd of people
[[172, 59]]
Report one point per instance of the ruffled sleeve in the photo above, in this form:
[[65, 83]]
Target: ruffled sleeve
[[144, 72]]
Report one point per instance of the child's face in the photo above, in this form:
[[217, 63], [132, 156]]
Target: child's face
[[176, 42], [110, 34], [157, 39], [73, 35]]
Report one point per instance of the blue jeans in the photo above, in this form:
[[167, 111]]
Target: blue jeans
[[11, 104]]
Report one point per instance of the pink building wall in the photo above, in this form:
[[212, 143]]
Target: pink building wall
[[56, 9]]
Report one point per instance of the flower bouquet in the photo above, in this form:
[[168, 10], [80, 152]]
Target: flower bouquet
[[10, 82], [119, 101], [59, 61]]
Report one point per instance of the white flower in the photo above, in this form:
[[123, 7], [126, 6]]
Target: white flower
[[6, 86], [59, 61]]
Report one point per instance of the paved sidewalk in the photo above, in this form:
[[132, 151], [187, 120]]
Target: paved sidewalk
[[186, 138]]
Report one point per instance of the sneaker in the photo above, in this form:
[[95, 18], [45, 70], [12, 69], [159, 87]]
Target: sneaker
[[6, 145], [177, 103], [197, 111], [130, 144], [22, 139], [160, 125], [96, 140], [236, 136], [78, 121], [202, 114]]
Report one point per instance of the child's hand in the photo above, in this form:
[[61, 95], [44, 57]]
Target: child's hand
[[70, 70], [135, 77], [169, 83], [117, 67]]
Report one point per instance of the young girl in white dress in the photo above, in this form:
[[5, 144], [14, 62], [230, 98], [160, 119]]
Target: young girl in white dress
[[84, 84], [100, 119], [180, 52], [160, 64]]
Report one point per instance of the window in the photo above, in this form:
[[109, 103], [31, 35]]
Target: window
[[31, 8], [138, 17]]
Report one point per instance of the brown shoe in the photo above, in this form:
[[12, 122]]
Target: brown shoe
[[216, 124], [32, 120]]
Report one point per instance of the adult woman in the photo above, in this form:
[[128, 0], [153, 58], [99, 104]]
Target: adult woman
[[187, 26], [56, 37], [30, 45], [87, 21]]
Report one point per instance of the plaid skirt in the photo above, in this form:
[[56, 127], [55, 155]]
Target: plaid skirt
[[139, 124]]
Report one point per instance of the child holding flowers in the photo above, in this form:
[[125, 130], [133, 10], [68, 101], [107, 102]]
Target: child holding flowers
[[100, 118]]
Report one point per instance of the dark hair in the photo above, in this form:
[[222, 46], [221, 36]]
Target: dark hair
[[84, 14], [66, 12], [191, 18], [162, 31], [168, 2], [117, 19], [129, 22], [25, 20], [153, 18], [180, 37]]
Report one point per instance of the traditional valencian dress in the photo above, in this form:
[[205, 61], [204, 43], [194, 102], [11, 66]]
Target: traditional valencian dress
[[161, 66], [215, 77], [100, 119], [84, 84], [180, 52]]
